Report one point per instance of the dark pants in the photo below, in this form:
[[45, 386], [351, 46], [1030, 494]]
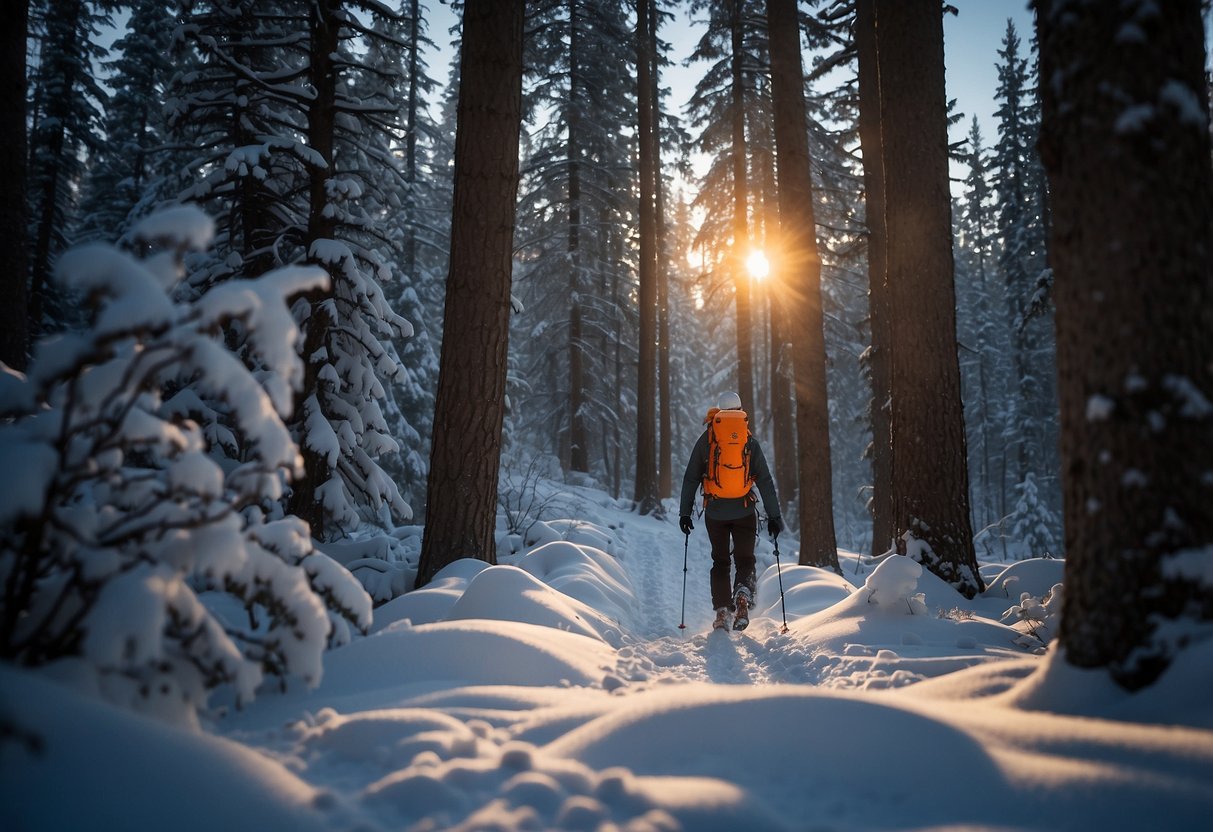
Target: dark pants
[[744, 534]]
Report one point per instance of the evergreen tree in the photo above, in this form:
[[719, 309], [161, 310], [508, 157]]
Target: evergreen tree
[[579, 96], [1136, 418], [65, 127], [800, 259], [725, 100], [126, 521], [984, 337], [646, 495], [297, 136], [930, 486], [422, 208], [133, 155], [14, 263], [470, 404]]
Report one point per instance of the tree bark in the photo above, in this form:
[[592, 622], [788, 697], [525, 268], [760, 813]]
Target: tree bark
[[665, 477], [412, 117], [470, 403], [741, 230], [14, 319], [1132, 248], [783, 428], [801, 264], [324, 27], [881, 500], [646, 384], [578, 438], [930, 461]]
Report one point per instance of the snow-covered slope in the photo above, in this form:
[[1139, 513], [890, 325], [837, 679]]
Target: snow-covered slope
[[556, 691]]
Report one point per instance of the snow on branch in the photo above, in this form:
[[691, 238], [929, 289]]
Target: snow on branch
[[125, 540]]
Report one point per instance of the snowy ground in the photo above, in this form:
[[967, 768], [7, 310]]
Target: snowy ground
[[557, 692]]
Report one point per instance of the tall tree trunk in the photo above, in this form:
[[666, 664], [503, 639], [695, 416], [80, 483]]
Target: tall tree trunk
[[802, 265], [783, 431], [324, 27], [14, 263], [741, 229], [1132, 251], [930, 461], [665, 477], [410, 143], [616, 248], [469, 407], [578, 439], [646, 441], [878, 357]]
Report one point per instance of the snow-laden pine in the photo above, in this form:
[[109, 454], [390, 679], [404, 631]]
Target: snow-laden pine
[[134, 551]]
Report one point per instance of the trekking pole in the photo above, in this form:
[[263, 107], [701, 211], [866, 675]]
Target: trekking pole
[[682, 625], [779, 572]]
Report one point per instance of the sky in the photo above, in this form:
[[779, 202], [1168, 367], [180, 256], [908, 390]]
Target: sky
[[972, 38], [971, 41]]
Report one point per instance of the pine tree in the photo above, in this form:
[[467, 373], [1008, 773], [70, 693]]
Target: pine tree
[[470, 404], [125, 520], [297, 156], [1135, 365], [1021, 256], [422, 206], [65, 126], [133, 155], [646, 494], [579, 95], [877, 358], [929, 460], [800, 259], [14, 264], [724, 101], [983, 334]]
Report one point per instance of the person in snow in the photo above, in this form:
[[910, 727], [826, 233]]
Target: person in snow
[[728, 463]]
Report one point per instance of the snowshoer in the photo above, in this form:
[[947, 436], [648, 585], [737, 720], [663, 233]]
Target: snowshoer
[[728, 463]]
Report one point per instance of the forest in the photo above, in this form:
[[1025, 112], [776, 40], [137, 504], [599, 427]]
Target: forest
[[316, 358]]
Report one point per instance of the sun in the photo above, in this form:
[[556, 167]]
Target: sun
[[757, 265]]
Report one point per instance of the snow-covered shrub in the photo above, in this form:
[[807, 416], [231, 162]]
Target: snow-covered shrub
[[385, 564], [891, 586], [1040, 618], [122, 541], [521, 500]]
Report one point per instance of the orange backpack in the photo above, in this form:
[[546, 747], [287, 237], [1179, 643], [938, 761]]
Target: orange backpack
[[728, 469]]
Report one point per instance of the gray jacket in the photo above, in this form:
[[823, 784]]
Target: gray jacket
[[729, 508]]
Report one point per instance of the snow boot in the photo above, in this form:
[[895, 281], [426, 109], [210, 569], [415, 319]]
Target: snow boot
[[722, 619], [741, 601]]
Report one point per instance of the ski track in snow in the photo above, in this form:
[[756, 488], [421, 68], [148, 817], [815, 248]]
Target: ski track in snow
[[658, 648]]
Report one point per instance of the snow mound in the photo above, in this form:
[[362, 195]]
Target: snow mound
[[891, 611], [585, 533], [507, 593], [99, 767], [516, 785], [433, 601], [478, 652], [1035, 576], [386, 737], [1179, 697], [807, 590], [728, 732], [582, 572]]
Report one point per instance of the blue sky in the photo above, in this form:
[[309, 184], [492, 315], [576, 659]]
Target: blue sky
[[971, 40]]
